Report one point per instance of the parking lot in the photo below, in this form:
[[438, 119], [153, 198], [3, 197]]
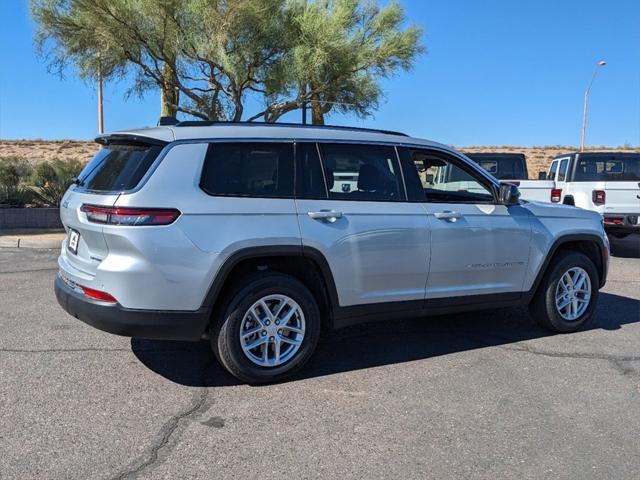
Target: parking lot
[[482, 395]]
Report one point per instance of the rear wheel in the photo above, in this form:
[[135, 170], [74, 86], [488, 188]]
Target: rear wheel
[[268, 329], [567, 296]]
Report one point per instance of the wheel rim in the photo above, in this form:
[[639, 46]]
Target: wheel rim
[[573, 293], [272, 330]]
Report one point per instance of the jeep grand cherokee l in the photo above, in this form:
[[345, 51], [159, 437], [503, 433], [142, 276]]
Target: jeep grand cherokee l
[[240, 234]]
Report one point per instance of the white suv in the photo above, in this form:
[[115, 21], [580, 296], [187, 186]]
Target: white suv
[[240, 233]]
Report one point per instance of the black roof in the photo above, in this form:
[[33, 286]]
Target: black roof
[[599, 154], [494, 155]]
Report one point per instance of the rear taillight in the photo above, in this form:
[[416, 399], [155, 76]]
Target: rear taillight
[[130, 216], [556, 194], [98, 295], [599, 197]]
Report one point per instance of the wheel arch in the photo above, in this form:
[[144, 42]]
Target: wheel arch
[[306, 264], [589, 244]]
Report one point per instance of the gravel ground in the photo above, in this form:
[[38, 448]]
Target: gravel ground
[[483, 395]]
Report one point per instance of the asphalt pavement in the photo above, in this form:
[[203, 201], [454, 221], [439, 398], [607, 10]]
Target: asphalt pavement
[[483, 395]]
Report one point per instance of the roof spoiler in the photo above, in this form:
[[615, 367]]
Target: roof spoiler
[[127, 139]]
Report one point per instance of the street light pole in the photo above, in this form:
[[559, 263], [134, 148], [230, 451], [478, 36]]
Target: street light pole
[[100, 108], [601, 63]]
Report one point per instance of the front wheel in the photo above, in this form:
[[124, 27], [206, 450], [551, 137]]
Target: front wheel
[[268, 329], [567, 296]]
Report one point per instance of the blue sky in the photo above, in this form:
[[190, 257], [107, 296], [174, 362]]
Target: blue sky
[[496, 72]]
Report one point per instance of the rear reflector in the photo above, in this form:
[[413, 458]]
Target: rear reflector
[[556, 194], [599, 197], [130, 216], [98, 295]]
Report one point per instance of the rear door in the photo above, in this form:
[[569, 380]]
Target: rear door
[[352, 208], [115, 168]]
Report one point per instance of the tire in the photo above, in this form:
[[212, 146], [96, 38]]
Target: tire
[[277, 290], [543, 307]]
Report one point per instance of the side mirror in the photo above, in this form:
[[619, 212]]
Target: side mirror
[[509, 194], [542, 175]]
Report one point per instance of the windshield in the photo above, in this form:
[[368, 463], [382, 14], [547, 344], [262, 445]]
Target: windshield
[[118, 168], [592, 168]]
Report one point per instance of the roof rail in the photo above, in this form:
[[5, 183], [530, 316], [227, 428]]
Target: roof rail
[[165, 121], [205, 123]]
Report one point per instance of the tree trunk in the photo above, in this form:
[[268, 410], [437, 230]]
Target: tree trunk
[[169, 94], [317, 112]]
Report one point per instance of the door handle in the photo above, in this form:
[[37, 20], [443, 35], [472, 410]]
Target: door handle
[[328, 215], [447, 215]]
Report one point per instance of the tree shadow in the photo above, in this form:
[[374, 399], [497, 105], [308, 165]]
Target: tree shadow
[[628, 247], [381, 343]]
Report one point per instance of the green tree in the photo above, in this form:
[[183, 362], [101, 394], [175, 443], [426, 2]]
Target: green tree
[[208, 56], [94, 37], [342, 49]]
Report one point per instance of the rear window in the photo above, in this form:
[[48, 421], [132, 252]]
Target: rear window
[[590, 168], [118, 168], [502, 167], [249, 169]]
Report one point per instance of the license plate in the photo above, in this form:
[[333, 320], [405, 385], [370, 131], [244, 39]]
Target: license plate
[[74, 239]]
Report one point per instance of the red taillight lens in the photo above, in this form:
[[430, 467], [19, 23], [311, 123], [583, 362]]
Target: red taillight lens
[[98, 295], [599, 197], [556, 194], [130, 216]]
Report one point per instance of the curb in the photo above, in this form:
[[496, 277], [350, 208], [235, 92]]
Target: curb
[[46, 241]]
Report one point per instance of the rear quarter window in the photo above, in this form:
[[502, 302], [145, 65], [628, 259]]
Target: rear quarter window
[[117, 168], [249, 170]]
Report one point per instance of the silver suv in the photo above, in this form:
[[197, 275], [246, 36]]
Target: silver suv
[[256, 236]]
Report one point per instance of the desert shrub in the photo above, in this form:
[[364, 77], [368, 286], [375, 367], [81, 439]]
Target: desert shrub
[[51, 179], [14, 174]]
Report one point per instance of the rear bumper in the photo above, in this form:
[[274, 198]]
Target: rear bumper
[[622, 222], [113, 318]]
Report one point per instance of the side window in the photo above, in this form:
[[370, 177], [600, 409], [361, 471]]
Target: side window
[[248, 169], [443, 180], [361, 172], [562, 171], [552, 170], [310, 180]]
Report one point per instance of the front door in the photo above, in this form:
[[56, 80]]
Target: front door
[[478, 246]]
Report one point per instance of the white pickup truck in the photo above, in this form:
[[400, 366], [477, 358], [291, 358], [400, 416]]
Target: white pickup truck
[[605, 182]]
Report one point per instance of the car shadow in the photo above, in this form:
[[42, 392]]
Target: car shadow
[[381, 343], [628, 247]]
